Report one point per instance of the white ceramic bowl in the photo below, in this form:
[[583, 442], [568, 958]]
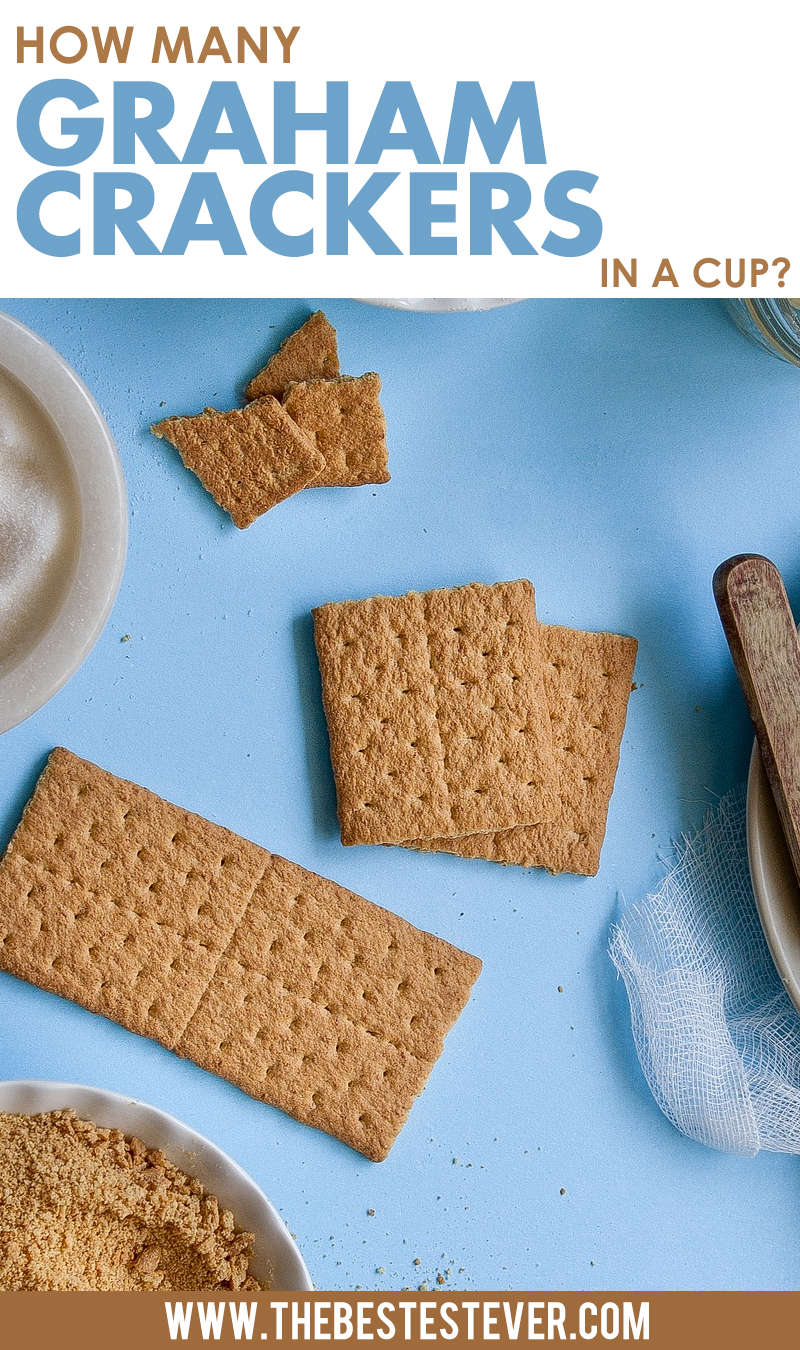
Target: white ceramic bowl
[[276, 1260], [774, 883], [89, 471], [440, 306]]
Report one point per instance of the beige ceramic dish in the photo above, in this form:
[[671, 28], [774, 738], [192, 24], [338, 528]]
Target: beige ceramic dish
[[774, 883], [92, 484]]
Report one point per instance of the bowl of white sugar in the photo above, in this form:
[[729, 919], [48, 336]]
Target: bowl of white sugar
[[63, 522]]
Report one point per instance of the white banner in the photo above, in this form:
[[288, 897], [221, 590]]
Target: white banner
[[428, 149]]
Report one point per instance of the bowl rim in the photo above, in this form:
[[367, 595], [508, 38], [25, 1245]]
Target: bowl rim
[[201, 1157], [442, 306], [772, 876], [93, 458]]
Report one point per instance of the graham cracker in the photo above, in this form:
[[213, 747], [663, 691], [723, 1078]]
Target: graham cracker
[[249, 459], [309, 353], [588, 682], [345, 419], [305, 995], [436, 712]]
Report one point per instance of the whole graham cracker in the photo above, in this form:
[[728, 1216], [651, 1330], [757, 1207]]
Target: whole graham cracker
[[436, 712], [588, 681], [249, 459], [310, 353], [302, 993], [346, 422]]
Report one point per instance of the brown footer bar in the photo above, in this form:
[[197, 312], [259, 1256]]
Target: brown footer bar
[[149, 1321]]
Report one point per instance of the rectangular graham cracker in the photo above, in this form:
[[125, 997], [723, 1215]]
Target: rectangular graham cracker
[[436, 712], [302, 993], [310, 353], [588, 682], [345, 419], [249, 459]]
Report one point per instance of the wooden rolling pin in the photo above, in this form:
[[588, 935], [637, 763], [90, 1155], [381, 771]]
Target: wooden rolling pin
[[762, 635]]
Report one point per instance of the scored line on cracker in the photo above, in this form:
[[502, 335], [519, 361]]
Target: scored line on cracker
[[302, 993], [249, 459], [436, 712]]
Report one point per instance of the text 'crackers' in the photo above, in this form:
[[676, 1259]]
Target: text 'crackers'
[[302, 993], [249, 459], [588, 682], [436, 712]]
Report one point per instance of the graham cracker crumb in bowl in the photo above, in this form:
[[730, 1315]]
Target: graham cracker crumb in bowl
[[83, 1207]]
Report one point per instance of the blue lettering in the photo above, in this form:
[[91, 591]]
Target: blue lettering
[[288, 121], [110, 217], [29, 217], [559, 204], [424, 212], [130, 127], [203, 190], [87, 131], [398, 99], [484, 216], [521, 108], [344, 211], [224, 98], [262, 214]]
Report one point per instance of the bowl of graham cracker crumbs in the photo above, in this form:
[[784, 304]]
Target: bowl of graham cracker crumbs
[[102, 1192]]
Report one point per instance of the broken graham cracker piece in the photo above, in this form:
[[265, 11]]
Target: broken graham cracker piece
[[588, 683], [310, 353], [302, 993], [436, 712], [345, 419], [249, 459]]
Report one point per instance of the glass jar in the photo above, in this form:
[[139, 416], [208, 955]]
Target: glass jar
[[772, 324]]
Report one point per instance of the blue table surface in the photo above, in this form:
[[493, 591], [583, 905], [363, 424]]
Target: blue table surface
[[614, 452]]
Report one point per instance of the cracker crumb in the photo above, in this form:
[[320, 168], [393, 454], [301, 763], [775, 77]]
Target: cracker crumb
[[83, 1207]]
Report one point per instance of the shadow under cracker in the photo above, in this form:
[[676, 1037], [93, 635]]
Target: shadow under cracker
[[315, 730]]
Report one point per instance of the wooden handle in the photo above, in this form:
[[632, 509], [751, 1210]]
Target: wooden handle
[[762, 635]]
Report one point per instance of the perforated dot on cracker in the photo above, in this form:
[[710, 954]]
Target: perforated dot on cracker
[[436, 712], [302, 993]]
